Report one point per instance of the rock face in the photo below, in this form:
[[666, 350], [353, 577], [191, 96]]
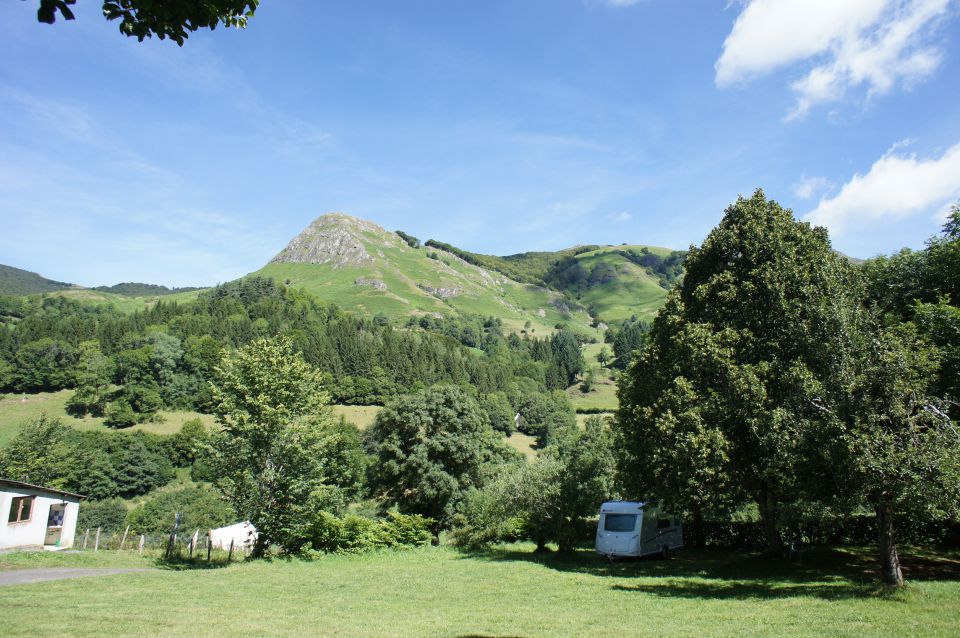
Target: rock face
[[373, 283], [335, 239], [442, 293]]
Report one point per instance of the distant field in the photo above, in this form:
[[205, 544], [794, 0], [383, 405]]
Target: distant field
[[582, 418], [602, 396], [17, 409], [125, 303], [523, 443], [361, 416], [506, 591]]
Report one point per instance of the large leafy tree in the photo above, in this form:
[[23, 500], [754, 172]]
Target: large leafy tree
[[895, 446], [274, 458], [430, 450], [740, 367], [172, 19]]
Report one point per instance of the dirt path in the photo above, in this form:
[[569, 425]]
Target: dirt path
[[24, 576]]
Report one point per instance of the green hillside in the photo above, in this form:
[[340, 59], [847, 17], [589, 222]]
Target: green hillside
[[612, 282], [360, 266], [617, 288], [14, 281], [135, 289]]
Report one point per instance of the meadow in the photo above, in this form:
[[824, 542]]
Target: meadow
[[504, 591], [17, 409]]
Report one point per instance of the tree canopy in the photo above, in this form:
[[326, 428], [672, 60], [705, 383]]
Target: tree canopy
[[173, 19], [430, 449], [738, 365], [275, 458]]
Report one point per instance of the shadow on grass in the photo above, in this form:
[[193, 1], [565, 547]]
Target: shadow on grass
[[191, 564], [826, 573]]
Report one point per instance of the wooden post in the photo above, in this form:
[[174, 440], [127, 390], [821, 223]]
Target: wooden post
[[173, 535], [86, 535], [230, 553], [124, 539], [140, 547], [209, 546], [96, 543]]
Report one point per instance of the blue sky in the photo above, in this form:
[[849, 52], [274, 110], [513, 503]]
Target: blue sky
[[498, 126]]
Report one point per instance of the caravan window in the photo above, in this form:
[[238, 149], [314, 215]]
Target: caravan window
[[620, 522], [663, 523]]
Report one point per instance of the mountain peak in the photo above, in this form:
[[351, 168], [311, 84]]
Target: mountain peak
[[336, 239]]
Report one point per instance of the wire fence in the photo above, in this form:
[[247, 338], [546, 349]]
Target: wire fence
[[195, 545]]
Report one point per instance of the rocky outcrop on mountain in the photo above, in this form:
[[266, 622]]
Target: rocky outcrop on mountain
[[442, 293], [373, 283], [336, 239]]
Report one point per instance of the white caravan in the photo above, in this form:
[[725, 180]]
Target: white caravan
[[628, 528]]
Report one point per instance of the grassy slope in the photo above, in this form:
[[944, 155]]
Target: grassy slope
[[402, 268], [14, 412], [125, 303], [633, 292], [506, 591]]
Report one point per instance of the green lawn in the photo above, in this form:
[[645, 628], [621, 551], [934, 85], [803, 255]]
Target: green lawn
[[504, 592]]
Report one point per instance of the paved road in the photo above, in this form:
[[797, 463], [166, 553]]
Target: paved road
[[24, 576]]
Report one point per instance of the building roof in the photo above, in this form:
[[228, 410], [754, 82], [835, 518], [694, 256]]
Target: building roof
[[7, 483]]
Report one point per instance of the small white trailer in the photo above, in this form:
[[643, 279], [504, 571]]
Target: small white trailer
[[633, 529]]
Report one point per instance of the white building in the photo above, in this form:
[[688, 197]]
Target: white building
[[36, 517]]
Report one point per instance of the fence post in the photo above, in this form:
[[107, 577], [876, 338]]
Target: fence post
[[86, 535], [209, 546], [140, 548], [96, 543], [124, 539], [230, 553], [173, 535]]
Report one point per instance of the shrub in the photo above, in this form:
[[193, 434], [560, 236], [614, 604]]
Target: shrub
[[199, 508], [355, 534], [109, 515], [120, 415]]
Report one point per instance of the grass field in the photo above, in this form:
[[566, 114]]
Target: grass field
[[15, 411], [361, 416], [507, 591], [602, 396]]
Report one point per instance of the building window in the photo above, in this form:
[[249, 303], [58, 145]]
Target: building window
[[20, 509]]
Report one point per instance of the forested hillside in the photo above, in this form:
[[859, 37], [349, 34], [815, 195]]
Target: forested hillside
[[14, 281], [128, 366]]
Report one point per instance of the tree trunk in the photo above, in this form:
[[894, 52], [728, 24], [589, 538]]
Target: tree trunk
[[259, 549], [768, 515], [541, 545], [889, 561], [699, 536], [435, 541]]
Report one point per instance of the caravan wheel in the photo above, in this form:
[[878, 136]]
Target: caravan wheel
[[665, 552]]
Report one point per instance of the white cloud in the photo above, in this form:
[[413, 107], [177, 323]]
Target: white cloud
[[895, 187], [622, 216], [877, 44], [808, 187]]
